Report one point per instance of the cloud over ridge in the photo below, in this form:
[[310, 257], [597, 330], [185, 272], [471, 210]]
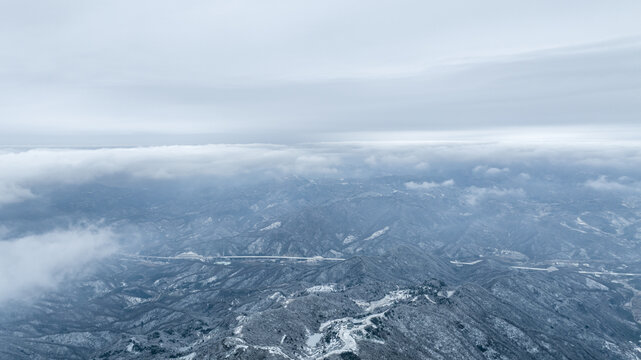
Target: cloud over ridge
[[24, 170], [428, 185], [36, 263]]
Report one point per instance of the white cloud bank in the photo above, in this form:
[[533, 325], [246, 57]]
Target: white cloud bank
[[36, 263], [474, 194], [490, 171], [22, 171], [603, 184], [427, 185]]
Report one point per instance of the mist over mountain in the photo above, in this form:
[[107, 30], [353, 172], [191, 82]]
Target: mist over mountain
[[414, 179], [338, 251]]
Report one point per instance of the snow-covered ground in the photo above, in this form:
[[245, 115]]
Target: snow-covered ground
[[595, 285], [548, 269], [321, 288], [190, 255], [564, 224], [387, 300], [608, 273], [585, 225], [377, 233], [133, 300], [456, 262], [313, 339], [345, 332], [348, 239], [272, 226], [194, 256], [348, 331]]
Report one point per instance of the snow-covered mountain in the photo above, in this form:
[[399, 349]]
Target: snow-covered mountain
[[505, 267]]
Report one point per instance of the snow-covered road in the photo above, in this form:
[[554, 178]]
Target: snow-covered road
[[194, 256]]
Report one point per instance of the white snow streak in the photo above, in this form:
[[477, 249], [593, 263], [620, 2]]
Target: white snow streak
[[377, 233], [272, 226]]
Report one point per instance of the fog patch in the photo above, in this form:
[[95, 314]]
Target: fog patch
[[24, 171], [12, 193], [623, 185], [474, 194], [427, 185], [490, 171], [33, 264]]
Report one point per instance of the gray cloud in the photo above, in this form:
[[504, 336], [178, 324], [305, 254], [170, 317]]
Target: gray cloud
[[218, 71], [36, 263]]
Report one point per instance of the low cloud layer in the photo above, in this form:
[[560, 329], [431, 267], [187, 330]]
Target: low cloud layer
[[23, 171], [474, 195], [428, 185], [624, 185], [32, 264], [490, 171]]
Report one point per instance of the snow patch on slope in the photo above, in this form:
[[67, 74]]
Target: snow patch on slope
[[348, 239], [348, 330], [272, 226], [377, 233], [321, 288], [313, 339], [456, 262], [595, 285], [191, 256], [387, 300]]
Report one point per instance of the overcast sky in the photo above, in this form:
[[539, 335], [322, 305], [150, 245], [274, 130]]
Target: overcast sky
[[164, 72]]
